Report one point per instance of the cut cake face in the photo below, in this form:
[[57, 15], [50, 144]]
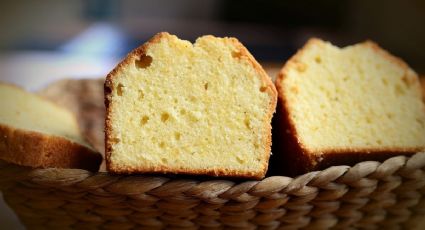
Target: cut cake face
[[347, 104], [177, 107]]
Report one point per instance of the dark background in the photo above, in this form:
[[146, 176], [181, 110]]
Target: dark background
[[272, 30]]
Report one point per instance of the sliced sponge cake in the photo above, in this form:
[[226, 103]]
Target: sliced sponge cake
[[177, 107], [37, 133], [341, 106]]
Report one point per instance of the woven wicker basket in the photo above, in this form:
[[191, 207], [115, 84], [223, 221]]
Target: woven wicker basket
[[369, 195]]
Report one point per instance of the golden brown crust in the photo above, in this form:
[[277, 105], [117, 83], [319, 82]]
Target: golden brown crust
[[409, 74], [386, 54], [268, 87], [217, 172], [108, 94], [295, 158], [290, 156], [35, 149]]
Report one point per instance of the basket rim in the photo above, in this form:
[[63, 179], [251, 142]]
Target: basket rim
[[369, 193], [215, 188]]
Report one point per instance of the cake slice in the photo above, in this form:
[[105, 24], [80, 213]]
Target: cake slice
[[202, 108], [36, 133], [345, 105]]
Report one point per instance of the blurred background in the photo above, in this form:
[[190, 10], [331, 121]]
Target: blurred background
[[46, 40]]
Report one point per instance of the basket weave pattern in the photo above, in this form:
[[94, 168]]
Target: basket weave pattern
[[368, 195]]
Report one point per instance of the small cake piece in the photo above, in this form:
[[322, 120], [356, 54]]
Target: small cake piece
[[202, 108], [37, 133], [341, 106]]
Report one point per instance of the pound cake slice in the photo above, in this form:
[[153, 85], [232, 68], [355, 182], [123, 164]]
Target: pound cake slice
[[345, 105], [36, 133], [177, 107]]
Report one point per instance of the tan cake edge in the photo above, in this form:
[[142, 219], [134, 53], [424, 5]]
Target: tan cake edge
[[34, 149]]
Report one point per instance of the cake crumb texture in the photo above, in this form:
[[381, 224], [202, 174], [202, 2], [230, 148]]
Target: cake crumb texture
[[178, 107], [346, 104]]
